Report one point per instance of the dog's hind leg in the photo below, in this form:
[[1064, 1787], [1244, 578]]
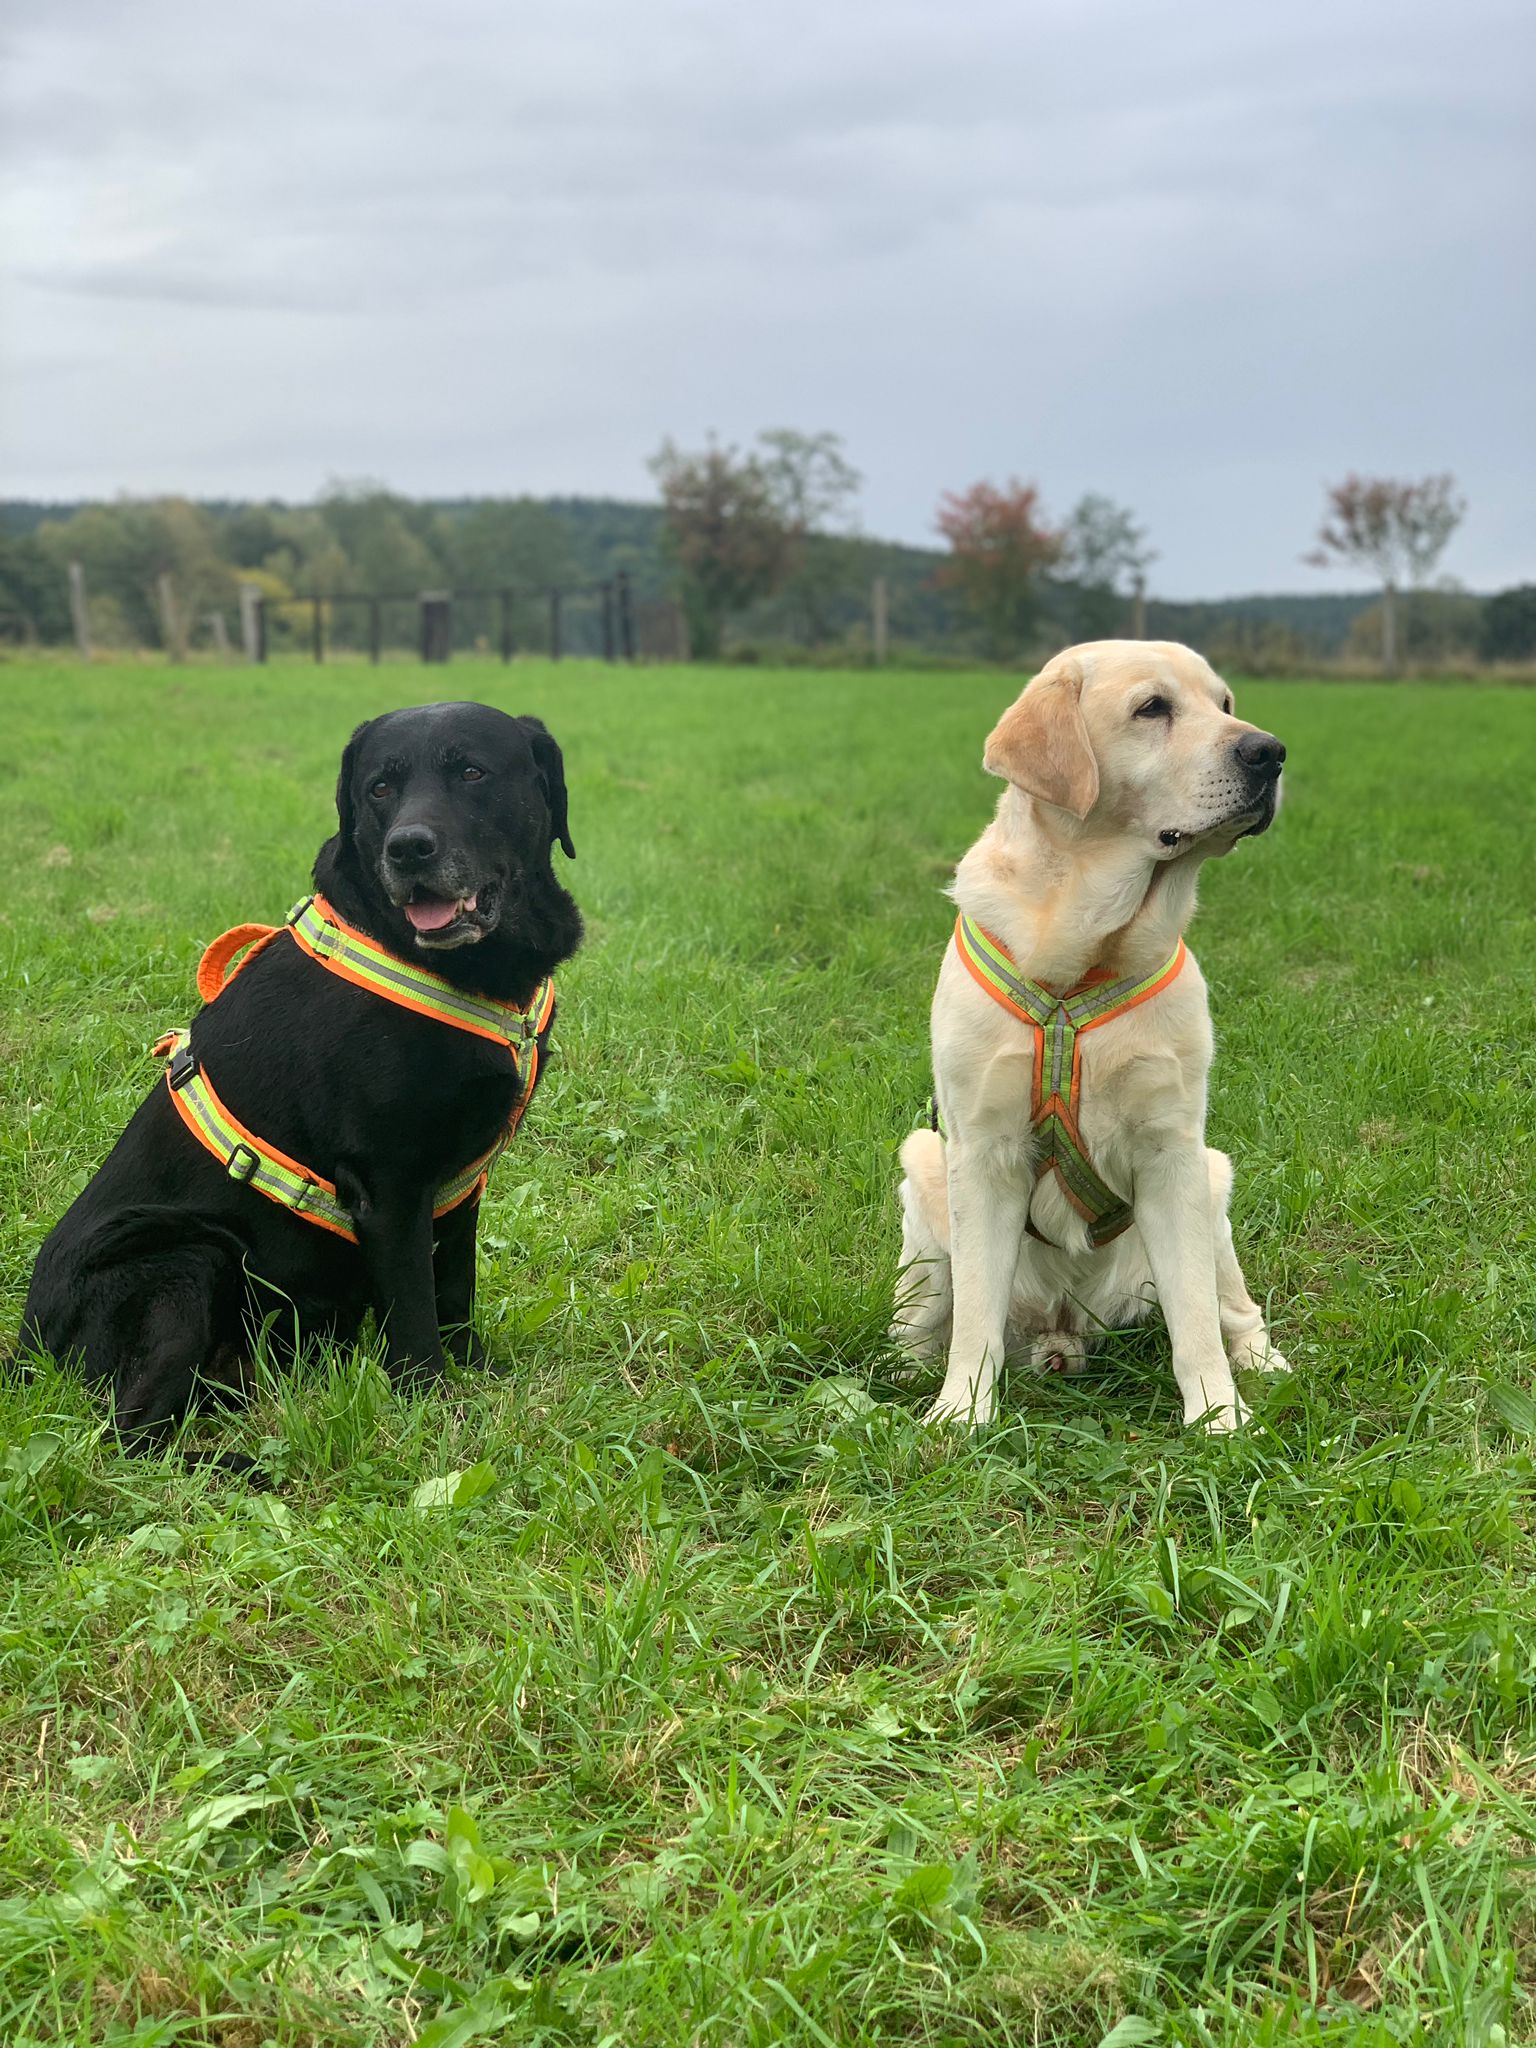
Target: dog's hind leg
[[924, 1294], [168, 1333], [1242, 1320]]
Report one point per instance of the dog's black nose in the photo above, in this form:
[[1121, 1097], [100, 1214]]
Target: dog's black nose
[[410, 846], [1261, 752]]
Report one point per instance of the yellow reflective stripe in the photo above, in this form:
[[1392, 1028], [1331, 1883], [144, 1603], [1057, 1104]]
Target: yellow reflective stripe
[[1077, 1170], [237, 1149], [463, 1185], [417, 987], [1114, 995], [996, 965], [293, 1186], [1057, 1019], [249, 1161], [989, 958]]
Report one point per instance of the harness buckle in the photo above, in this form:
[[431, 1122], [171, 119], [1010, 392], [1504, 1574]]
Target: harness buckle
[[528, 1020], [241, 1163], [321, 937], [182, 1067]]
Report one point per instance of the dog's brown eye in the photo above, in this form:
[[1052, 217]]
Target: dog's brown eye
[[472, 774], [379, 789], [1155, 707]]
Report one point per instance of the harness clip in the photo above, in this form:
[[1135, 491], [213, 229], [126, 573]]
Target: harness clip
[[320, 936], [241, 1163], [182, 1067]]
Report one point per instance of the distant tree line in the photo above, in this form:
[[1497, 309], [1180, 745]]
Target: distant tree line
[[760, 551], [359, 539], [745, 528]]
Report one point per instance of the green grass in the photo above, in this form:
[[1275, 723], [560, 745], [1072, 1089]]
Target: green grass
[[725, 1705]]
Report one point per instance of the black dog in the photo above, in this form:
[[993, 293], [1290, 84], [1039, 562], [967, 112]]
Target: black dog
[[155, 1277]]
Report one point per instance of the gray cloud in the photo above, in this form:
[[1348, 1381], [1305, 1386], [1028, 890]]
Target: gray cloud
[[1202, 258]]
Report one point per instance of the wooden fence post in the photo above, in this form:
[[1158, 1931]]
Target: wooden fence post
[[1139, 607], [436, 625], [626, 617], [171, 627], [79, 610], [250, 621], [261, 631]]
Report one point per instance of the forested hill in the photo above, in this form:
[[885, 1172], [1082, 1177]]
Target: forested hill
[[354, 541]]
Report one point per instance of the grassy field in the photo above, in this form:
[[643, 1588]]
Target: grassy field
[[717, 1702]]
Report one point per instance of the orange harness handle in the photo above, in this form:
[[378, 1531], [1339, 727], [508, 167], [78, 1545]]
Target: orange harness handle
[[215, 971]]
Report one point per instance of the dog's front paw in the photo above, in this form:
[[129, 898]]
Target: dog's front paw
[[1218, 1418], [466, 1353], [412, 1376], [1210, 1398], [1269, 1359], [1256, 1353], [968, 1407]]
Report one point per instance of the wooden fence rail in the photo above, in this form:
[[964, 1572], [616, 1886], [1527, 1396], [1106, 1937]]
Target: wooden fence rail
[[435, 617]]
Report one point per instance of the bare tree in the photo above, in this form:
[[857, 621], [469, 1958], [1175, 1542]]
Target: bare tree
[[814, 485], [1399, 530], [812, 479]]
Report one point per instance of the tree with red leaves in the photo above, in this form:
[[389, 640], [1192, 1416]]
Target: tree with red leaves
[[1397, 529], [999, 546]]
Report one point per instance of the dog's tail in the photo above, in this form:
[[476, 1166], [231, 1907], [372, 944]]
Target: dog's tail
[[51, 1320]]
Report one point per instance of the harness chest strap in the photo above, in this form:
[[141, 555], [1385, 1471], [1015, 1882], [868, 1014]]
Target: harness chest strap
[[343, 950], [1058, 1022]]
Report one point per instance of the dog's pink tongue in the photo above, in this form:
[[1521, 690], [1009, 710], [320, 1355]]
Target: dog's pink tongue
[[431, 915]]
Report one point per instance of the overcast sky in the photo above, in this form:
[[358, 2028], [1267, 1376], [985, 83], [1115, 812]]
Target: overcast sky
[[1201, 258]]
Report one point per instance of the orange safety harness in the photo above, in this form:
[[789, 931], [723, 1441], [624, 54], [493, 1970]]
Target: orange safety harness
[[1058, 1022], [343, 950]]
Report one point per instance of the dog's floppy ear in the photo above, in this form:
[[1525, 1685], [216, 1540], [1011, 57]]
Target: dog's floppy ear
[[1041, 743], [339, 855], [346, 815], [550, 762]]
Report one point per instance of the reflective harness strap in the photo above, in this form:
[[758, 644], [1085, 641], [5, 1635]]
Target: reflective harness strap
[[343, 950], [346, 951], [246, 1157], [1058, 1023]]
